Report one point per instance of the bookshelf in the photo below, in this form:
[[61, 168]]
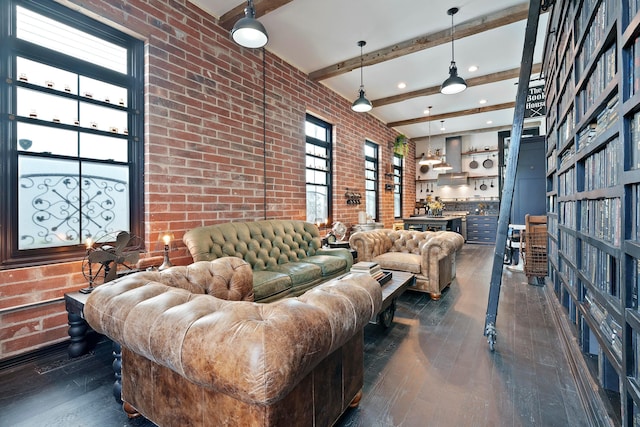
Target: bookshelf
[[592, 67]]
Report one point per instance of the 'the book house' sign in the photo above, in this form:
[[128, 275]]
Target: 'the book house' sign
[[535, 106]]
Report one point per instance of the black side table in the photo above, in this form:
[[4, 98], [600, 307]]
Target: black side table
[[83, 338]]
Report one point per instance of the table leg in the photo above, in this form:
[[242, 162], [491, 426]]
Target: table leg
[[78, 334], [385, 318]]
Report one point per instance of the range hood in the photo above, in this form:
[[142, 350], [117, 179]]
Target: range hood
[[453, 178]]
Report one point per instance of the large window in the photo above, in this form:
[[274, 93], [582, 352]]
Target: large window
[[397, 186], [72, 132], [371, 179], [318, 166]]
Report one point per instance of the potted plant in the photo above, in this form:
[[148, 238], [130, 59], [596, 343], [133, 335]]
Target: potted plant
[[401, 145]]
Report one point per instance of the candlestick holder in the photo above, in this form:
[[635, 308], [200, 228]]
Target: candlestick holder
[[166, 237]]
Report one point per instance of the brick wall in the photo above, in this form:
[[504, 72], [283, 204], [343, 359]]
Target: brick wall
[[204, 150]]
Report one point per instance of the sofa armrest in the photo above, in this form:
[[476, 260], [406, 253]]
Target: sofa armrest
[[254, 352], [369, 244], [339, 252]]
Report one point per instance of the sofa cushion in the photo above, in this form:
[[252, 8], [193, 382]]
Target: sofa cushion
[[329, 265], [399, 261], [300, 272], [269, 283]]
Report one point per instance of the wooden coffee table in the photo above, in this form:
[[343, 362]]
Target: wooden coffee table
[[391, 290]]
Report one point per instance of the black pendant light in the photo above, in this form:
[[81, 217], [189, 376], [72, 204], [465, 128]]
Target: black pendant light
[[455, 83], [248, 31], [430, 158], [362, 104]]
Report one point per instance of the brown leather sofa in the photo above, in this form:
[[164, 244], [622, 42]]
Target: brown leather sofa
[[191, 358], [430, 255], [286, 256]]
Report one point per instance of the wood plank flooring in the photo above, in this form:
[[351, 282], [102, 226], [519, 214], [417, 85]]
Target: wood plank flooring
[[432, 367]]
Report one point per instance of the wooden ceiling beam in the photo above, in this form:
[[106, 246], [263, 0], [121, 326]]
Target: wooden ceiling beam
[[474, 26], [475, 81], [262, 7], [443, 116]]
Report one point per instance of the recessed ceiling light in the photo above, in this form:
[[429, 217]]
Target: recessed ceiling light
[[483, 101], [489, 122], [426, 111], [473, 68], [402, 85]]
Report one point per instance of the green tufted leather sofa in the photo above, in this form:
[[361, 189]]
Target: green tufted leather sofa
[[430, 255], [285, 255]]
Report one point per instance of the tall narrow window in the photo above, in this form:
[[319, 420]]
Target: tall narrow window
[[72, 132], [318, 167], [397, 186], [371, 179]]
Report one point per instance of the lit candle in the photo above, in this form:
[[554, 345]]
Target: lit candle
[[167, 239], [89, 243]]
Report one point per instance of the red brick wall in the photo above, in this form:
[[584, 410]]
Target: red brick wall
[[204, 150]]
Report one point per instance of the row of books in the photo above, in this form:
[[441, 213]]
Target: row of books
[[551, 159], [604, 16], [609, 327], [566, 182], [635, 212], [604, 73], [600, 218], [601, 269], [606, 118], [565, 129], [567, 214], [634, 148], [567, 273], [602, 169], [568, 245]]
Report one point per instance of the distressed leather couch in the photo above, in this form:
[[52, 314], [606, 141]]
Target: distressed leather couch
[[286, 256], [192, 358], [430, 255]]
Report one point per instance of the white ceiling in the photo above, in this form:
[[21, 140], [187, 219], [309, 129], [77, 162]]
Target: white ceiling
[[312, 35]]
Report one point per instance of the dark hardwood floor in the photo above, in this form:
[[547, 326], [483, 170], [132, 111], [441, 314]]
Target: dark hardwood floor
[[432, 367]]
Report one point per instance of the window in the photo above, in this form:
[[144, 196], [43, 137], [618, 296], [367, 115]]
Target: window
[[318, 166], [397, 186], [72, 132], [371, 179]]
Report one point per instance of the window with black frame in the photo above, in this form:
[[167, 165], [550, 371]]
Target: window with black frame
[[397, 186], [72, 143], [371, 179], [318, 170]]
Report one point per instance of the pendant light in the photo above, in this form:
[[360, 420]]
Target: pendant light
[[443, 165], [362, 104], [455, 83], [430, 159], [248, 31]]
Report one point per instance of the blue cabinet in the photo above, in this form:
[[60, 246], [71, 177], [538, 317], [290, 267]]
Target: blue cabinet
[[482, 229]]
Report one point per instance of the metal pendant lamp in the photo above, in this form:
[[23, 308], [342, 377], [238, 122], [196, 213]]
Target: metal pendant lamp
[[442, 166], [362, 104], [454, 83], [248, 31], [430, 158]]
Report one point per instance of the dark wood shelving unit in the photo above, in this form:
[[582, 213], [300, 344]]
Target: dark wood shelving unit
[[592, 68]]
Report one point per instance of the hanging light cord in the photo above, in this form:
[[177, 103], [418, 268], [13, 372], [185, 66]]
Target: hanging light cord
[[452, 55], [264, 130], [361, 65]]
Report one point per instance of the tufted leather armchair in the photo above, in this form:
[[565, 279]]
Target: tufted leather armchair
[[192, 359], [286, 255], [430, 255]]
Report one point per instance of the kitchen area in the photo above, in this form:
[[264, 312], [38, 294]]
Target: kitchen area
[[464, 196]]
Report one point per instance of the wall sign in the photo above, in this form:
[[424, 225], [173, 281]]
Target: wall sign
[[535, 105]]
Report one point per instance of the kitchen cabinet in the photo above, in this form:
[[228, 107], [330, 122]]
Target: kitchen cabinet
[[482, 229]]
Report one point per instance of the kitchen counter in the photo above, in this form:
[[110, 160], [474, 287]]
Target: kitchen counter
[[433, 223]]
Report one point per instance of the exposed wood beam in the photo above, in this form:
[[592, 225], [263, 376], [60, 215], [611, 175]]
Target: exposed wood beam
[[528, 125], [262, 7], [475, 81], [452, 114], [465, 29]]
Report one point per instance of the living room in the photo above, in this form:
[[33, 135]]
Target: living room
[[206, 133]]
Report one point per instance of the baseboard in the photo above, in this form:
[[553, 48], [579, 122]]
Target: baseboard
[[587, 388], [23, 359]]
